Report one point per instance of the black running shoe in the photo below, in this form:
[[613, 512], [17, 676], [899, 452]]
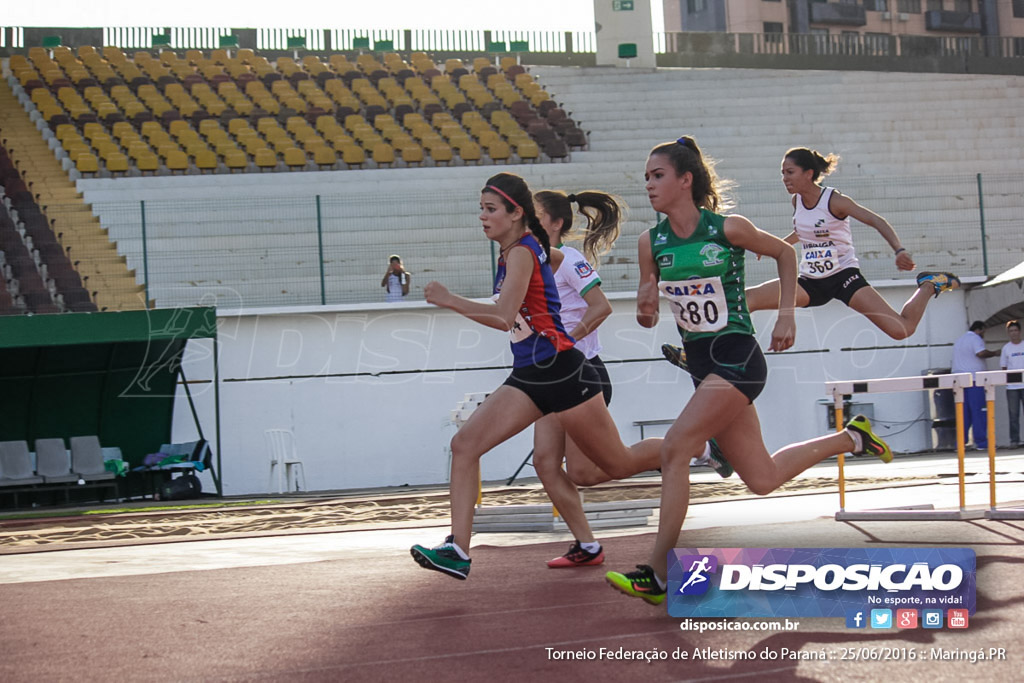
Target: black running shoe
[[675, 355]]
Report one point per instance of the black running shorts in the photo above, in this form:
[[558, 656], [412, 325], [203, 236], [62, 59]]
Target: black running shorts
[[558, 383], [736, 358], [841, 286]]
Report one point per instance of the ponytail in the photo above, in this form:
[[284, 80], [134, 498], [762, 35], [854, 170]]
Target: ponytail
[[604, 214], [810, 160], [708, 189]]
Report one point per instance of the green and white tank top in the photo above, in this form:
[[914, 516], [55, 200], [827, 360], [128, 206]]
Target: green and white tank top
[[702, 278]]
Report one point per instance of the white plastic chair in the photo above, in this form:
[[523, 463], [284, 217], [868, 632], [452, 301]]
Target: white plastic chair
[[281, 445]]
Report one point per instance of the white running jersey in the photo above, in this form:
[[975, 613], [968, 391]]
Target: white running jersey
[[394, 288], [826, 241], [574, 278]]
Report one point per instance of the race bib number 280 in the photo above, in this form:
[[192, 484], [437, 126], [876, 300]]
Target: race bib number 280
[[698, 304]]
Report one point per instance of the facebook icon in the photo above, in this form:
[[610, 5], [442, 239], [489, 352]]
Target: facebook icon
[[855, 619]]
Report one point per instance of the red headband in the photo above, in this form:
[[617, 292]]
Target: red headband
[[512, 201]]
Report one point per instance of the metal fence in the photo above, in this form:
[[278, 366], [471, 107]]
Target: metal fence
[[244, 252], [537, 42]]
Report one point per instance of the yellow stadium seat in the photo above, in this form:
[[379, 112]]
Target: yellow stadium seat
[[383, 154], [116, 162], [194, 147], [236, 159], [147, 162], [224, 147], [499, 151], [295, 158], [253, 145], [205, 160], [236, 125], [265, 158], [441, 153], [411, 153], [528, 150], [294, 123], [176, 160], [353, 155], [87, 163], [469, 151], [280, 144], [339, 140]]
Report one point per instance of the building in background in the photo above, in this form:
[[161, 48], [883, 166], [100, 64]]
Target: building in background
[[966, 18]]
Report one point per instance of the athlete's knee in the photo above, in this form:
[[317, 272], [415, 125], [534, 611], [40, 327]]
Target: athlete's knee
[[901, 332], [585, 478], [759, 486], [681, 447], [545, 467], [463, 447]]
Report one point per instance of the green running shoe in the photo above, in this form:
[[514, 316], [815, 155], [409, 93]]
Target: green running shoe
[[942, 282], [639, 584], [714, 460], [719, 463], [871, 443], [443, 558], [675, 355]]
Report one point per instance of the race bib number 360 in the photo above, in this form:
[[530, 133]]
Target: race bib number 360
[[698, 304]]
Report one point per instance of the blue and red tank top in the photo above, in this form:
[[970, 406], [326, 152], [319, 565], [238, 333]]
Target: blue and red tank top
[[537, 333]]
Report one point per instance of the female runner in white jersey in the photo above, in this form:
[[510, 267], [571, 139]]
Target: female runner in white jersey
[[829, 267], [584, 308]]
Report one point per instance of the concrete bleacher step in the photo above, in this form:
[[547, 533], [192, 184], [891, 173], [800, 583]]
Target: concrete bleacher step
[[909, 152], [609, 515]]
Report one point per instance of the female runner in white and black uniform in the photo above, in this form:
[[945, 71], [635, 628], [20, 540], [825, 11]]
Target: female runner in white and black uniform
[[829, 267], [584, 308]]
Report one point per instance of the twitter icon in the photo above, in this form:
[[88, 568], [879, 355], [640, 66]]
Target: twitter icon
[[881, 618]]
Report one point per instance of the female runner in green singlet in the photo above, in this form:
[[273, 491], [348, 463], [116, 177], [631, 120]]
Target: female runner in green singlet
[[695, 259]]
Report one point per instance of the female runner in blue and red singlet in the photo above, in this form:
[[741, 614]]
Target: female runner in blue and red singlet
[[548, 374]]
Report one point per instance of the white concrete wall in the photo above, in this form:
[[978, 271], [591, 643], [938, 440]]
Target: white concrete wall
[[368, 390], [630, 26]]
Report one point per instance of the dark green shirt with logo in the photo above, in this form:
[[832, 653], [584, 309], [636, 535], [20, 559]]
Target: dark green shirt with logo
[[702, 277]]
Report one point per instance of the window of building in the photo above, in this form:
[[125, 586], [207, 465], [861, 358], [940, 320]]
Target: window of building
[[772, 27], [962, 5], [908, 6], [695, 6], [876, 5], [934, 5], [1018, 9], [771, 0]]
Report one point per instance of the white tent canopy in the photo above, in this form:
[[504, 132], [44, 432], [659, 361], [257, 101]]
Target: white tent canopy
[[998, 300]]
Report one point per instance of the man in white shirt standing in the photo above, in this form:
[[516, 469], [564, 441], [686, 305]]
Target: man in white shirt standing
[[1012, 358], [969, 354], [396, 279]]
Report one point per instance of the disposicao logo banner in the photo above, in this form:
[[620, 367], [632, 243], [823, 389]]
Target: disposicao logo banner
[[817, 582]]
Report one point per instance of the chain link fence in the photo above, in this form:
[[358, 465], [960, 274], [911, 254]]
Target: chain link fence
[[244, 252]]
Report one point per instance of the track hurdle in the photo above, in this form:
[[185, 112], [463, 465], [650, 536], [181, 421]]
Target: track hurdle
[[957, 382], [460, 414], [990, 380]]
